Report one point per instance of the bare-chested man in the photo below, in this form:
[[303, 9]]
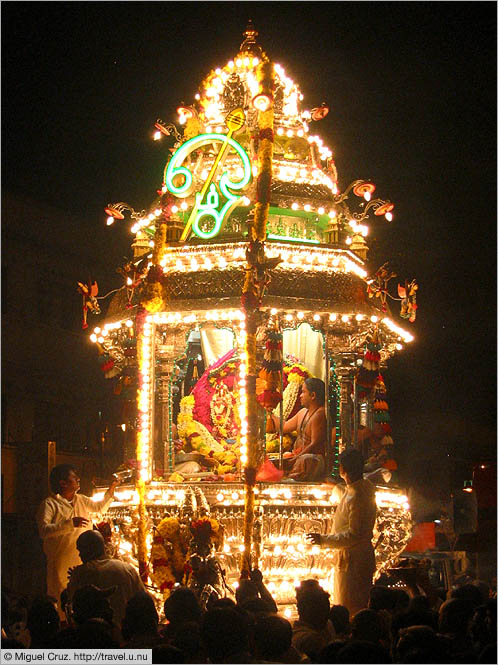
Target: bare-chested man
[[311, 426]]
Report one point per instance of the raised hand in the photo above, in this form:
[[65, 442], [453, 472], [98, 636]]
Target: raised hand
[[256, 576], [314, 538], [80, 521]]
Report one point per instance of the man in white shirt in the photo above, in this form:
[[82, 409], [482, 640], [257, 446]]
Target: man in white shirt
[[99, 570], [352, 533], [61, 519]]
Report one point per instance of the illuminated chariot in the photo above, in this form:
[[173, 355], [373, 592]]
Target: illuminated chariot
[[248, 275]]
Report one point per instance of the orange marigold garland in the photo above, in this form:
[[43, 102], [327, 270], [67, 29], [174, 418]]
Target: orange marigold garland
[[381, 409], [155, 286], [254, 286], [367, 373], [381, 416], [141, 458], [174, 542], [167, 556], [269, 395], [141, 535]]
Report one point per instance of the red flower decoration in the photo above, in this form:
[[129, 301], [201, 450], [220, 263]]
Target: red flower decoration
[[159, 562], [269, 399], [266, 133], [299, 372], [201, 531], [105, 530], [249, 301]]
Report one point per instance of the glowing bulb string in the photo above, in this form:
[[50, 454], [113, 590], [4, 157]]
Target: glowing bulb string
[[141, 534], [335, 380]]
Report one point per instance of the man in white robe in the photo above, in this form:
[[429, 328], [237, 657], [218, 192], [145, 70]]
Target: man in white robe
[[61, 519], [352, 532]]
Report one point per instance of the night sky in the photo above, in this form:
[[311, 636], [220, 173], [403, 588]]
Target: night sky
[[412, 93]]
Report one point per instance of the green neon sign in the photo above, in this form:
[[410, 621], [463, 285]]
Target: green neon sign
[[180, 182]]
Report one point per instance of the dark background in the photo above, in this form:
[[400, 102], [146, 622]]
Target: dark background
[[412, 93]]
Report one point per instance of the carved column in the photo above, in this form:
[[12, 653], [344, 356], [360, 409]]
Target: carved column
[[170, 344], [346, 381], [164, 448]]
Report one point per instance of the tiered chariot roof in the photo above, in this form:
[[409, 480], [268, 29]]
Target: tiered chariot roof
[[311, 226]]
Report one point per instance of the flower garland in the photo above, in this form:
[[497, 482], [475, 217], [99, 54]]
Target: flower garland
[[154, 292], [269, 395], [381, 410], [365, 378], [296, 375], [167, 555], [381, 416], [141, 456], [254, 285], [155, 289], [141, 533], [173, 543]]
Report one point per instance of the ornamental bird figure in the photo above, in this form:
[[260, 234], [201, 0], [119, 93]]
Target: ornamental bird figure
[[259, 265], [408, 295], [89, 292], [133, 275], [378, 285]]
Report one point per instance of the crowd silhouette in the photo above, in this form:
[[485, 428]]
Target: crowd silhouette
[[398, 626]]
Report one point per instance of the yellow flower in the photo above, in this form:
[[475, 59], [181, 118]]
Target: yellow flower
[[295, 378], [168, 528], [272, 446], [224, 468]]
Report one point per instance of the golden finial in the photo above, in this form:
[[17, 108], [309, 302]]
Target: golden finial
[[249, 45]]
